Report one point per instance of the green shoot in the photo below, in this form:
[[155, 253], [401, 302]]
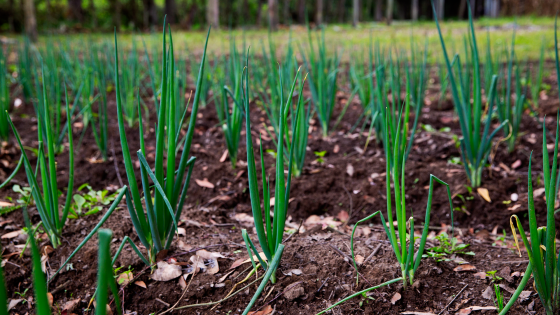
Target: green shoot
[[105, 279], [476, 142], [47, 200], [156, 227]]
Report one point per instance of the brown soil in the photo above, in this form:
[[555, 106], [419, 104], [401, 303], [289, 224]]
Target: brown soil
[[324, 189]]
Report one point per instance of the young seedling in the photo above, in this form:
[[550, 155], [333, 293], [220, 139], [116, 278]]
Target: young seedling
[[105, 279]]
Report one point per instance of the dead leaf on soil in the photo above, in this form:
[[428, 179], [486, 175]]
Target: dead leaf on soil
[[464, 268], [242, 261], [417, 313], [336, 148], [514, 207], [204, 183], [538, 192], [359, 259], [243, 217], [6, 204], [265, 311], [316, 220], [395, 298], [184, 246], [350, 170], [222, 279], [50, 298], [516, 164], [468, 310], [212, 258], [13, 303], [198, 264], [70, 305], [166, 272], [141, 284], [12, 234], [342, 216], [224, 156], [483, 192], [481, 275], [272, 201], [124, 278], [369, 199]]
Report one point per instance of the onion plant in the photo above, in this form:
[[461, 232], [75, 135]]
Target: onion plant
[[271, 232], [46, 200], [105, 279], [4, 98], [507, 110], [477, 139], [156, 226], [130, 76], [537, 79], [544, 261], [323, 74], [230, 116]]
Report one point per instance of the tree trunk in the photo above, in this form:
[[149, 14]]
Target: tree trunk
[[415, 10], [286, 12], [75, 7], [355, 12], [379, 10], [340, 11], [389, 11], [171, 11], [213, 13], [273, 15], [117, 14], [91, 10], [319, 13], [301, 12], [149, 12], [259, 13], [30, 20], [462, 8]]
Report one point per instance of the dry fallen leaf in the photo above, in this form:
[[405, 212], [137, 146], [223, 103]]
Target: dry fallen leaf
[[395, 298], [243, 217], [342, 216], [166, 272], [124, 278], [538, 192], [50, 298], [265, 311], [184, 246], [224, 156], [12, 234], [204, 183], [182, 281], [212, 267], [242, 261], [417, 313], [336, 148], [350, 170], [70, 305], [359, 259], [483, 192], [224, 277], [141, 284], [316, 220], [464, 268], [13, 303], [5, 204], [469, 309], [482, 275]]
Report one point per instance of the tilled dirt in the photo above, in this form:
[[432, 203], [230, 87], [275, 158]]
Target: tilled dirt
[[326, 189]]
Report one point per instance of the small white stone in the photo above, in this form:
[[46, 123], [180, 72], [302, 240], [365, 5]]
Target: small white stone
[[17, 102], [514, 197]]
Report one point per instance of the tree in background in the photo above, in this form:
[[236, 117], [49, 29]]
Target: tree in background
[[319, 13], [213, 13], [30, 20], [355, 12], [273, 14], [389, 15]]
